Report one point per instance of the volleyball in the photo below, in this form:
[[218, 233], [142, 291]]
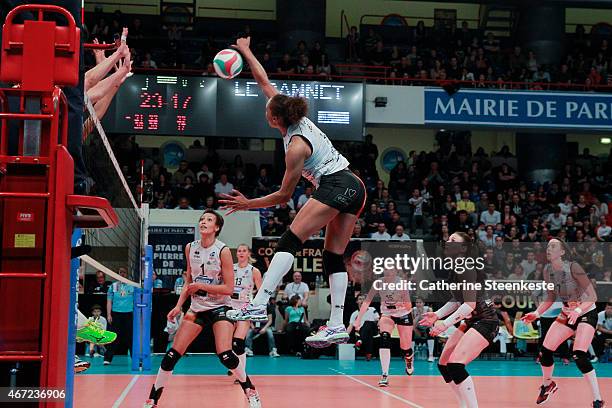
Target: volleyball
[[228, 63]]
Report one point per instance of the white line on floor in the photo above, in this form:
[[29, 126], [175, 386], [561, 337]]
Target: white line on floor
[[126, 391], [387, 393]]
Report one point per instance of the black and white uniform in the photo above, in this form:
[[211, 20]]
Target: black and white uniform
[[571, 294], [392, 304], [205, 266], [327, 170], [484, 316], [243, 286]]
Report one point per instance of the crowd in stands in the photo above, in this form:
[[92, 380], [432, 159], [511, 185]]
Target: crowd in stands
[[431, 55]]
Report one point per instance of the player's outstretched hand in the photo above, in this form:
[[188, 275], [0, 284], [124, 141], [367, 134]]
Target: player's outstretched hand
[[173, 313], [429, 318], [235, 202], [242, 44]]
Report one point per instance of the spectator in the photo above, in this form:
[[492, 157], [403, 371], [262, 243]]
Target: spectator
[[119, 309], [179, 283], [273, 228], [96, 316], [260, 328], [381, 234], [264, 183], [556, 221], [352, 44], [604, 231], [298, 288], [157, 283], [399, 234], [101, 286], [467, 205], [603, 337], [178, 178], [304, 197], [357, 231], [183, 204], [491, 216], [368, 328], [415, 214], [487, 237], [223, 186], [286, 66], [296, 325]]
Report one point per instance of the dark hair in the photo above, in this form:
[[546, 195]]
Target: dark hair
[[218, 220], [96, 306], [290, 109], [294, 300]]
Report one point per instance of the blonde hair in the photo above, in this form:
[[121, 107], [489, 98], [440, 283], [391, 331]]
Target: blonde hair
[[251, 259]]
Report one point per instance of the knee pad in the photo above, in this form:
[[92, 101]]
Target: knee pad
[[238, 345], [546, 357], [582, 361], [289, 242], [229, 359], [445, 373], [332, 263], [385, 340], [457, 372], [170, 359]]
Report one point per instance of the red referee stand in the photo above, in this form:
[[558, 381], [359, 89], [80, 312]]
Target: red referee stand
[[38, 209]]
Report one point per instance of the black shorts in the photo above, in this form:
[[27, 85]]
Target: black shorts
[[589, 318], [343, 191], [212, 316], [487, 328], [405, 320]]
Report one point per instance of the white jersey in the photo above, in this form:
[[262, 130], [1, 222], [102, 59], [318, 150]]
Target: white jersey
[[205, 266], [391, 301], [324, 160], [243, 286]]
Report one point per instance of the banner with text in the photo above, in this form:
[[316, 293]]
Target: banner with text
[[169, 251], [520, 109]]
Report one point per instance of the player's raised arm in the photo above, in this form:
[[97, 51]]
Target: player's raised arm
[[259, 73]]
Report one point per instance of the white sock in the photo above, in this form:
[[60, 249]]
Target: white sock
[[591, 378], [502, 346], [240, 372], [547, 374], [162, 378], [430, 347], [457, 393], [385, 359], [280, 265], [592, 350], [82, 320], [414, 345], [337, 287], [468, 393], [242, 357]]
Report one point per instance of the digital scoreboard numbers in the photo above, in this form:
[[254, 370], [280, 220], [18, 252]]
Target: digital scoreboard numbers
[[205, 106], [335, 107], [165, 105]]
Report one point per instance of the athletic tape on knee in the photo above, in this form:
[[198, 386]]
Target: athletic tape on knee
[[229, 359], [385, 340], [445, 374], [582, 361], [458, 372], [332, 263], [546, 357], [289, 242], [170, 359], [238, 345]]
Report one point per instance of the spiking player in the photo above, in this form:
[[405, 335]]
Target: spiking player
[[339, 198], [209, 282]]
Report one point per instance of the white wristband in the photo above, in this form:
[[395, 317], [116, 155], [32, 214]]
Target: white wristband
[[123, 38], [537, 314], [579, 310]]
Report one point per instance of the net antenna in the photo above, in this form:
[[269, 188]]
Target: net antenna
[[123, 246]]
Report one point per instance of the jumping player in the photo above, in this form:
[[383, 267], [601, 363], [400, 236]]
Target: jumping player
[[395, 309], [578, 318], [339, 198], [209, 282], [477, 331], [246, 276]]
